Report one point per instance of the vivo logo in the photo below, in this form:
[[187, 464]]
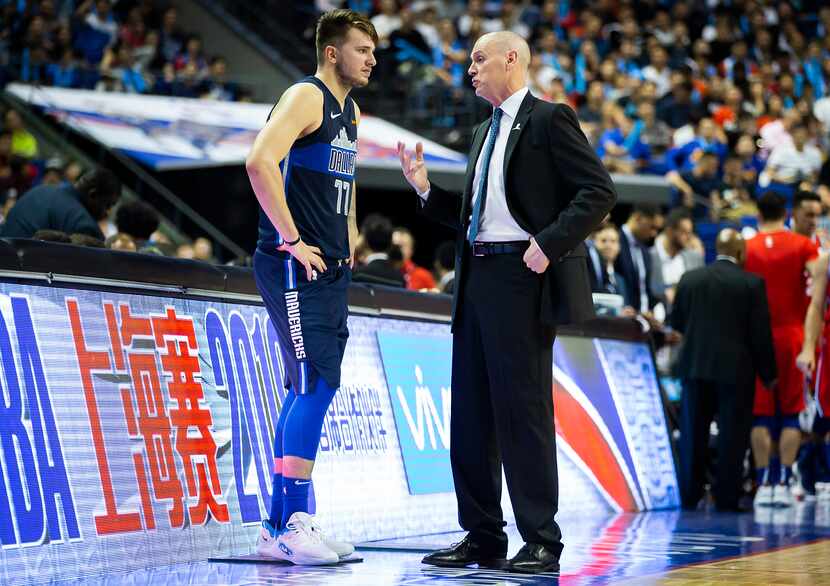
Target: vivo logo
[[427, 419]]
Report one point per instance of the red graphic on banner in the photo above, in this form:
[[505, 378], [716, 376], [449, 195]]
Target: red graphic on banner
[[176, 342], [136, 347], [89, 361], [151, 422]]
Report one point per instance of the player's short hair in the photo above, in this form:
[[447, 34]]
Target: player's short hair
[[804, 195], [772, 206], [333, 26]]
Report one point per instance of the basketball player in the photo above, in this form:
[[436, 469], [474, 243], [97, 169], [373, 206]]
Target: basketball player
[[817, 323], [301, 168], [781, 258]]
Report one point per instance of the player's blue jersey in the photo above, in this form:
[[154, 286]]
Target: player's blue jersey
[[318, 174]]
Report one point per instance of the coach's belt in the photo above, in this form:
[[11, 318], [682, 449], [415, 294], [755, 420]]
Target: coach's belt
[[489, 248]]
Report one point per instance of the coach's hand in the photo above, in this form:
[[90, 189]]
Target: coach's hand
[[535, 259], [806, 362], [308, 256], [414, 170]]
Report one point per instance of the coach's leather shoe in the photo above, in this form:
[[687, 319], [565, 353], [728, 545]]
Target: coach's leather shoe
[[467, 553], [534, 559]]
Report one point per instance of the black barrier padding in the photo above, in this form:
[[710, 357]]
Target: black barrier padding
[[68, 259], [239, 280], [23, 254], [8, 257]]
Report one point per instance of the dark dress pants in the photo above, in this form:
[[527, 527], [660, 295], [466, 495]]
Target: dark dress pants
[[700, 403], [502, 404]]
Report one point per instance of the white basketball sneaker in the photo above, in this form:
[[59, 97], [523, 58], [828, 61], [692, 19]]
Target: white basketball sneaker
[[823, 491], [266, 543], [763, 496], [781, 496], [341, 548], [300, 545]]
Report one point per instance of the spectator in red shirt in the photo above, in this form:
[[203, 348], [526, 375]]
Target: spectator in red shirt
[[416, 277]]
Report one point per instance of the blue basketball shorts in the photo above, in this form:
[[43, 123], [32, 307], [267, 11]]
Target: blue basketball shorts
[[308, 316]]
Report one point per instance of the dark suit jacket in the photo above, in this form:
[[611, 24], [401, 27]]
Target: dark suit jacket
[[723, 314], [379, 272], [625, 266], [557, 190]]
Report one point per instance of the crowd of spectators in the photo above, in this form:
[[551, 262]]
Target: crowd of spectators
[[726, 100], [134, 46]]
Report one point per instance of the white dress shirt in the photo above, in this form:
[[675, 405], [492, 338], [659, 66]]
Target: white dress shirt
[[497, 225]]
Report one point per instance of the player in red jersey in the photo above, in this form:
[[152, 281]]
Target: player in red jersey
[[781, 258], [818, 322]]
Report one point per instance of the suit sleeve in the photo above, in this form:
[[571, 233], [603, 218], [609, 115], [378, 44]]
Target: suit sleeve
[[441, 206], [585, 177], [760, 333], [680, 307]]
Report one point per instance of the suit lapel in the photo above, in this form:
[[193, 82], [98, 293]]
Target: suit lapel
[[518, 128]]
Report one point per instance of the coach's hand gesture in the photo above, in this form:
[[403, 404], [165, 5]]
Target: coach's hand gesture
[[415, 170], [308, 256]]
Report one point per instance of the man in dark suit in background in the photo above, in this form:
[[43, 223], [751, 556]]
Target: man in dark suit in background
[[379, 270], [534, 191], [722, 312], [634, 261]]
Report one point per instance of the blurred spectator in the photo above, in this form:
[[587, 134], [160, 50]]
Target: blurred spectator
[[192, 55], [621, 147], [121, 241], [386, 21], [806, 213], [185, 251], [138, 220], [634, 261], [657, 135], [53, 172], [203, 250], [52, 236], [445, 267], [377, 231], [16, 174], [733, 201], [170, 36], [88, 240], [416, 277], [409, 47], [23, 142], [73, 172], [698, 188], [428, 25], [94, 28], [677, 108], [791, 163], [604, 248], [709, 137], [671, 255], [71, 209], [215, 86]]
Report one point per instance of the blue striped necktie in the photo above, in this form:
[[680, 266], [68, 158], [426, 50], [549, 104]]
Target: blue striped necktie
[[481, 192]]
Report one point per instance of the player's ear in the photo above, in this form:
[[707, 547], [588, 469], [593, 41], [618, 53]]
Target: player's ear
[[331, 54]]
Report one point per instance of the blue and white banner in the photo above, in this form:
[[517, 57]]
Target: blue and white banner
[[136, 430], [177, 133]]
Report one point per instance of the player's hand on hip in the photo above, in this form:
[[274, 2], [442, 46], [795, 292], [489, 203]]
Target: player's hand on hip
[[310, 257], [806, 362], [535, 259], [414, 169]]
